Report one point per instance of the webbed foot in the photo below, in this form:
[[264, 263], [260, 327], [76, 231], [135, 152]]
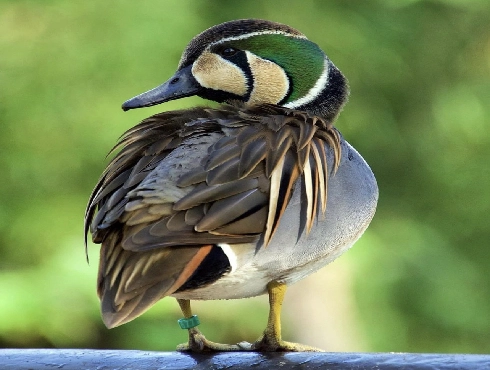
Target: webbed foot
[[270, 343], [199, 343]]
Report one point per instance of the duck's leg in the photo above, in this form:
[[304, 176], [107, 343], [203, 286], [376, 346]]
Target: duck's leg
[[271, 340], [197, 341]]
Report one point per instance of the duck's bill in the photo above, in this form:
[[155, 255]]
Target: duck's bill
[[180, 85]]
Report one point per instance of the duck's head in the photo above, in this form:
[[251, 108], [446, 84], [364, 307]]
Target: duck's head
[[254, 61]]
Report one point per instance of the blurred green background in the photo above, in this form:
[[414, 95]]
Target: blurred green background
[[419, 111]]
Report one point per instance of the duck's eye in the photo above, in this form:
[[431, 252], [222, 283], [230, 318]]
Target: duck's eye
[[229, 52]]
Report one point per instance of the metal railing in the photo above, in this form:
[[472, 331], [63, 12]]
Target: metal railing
[[71, 359]]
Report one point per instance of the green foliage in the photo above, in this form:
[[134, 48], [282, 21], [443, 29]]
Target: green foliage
[[420, 78]]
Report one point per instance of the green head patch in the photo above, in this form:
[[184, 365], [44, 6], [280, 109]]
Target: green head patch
[[302, 60]]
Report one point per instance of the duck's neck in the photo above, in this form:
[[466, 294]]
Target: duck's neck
[[328, 95]]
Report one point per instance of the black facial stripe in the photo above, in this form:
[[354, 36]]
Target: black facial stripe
[[214, 265], [240, 59], [290, 89], [218, 95]]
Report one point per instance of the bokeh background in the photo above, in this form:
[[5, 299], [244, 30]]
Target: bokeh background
[[419, 112]]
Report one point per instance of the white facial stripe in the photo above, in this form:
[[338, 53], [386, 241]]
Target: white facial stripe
[[252, 34], [232, 258], [270, 82], [214, 72], [315, 90]]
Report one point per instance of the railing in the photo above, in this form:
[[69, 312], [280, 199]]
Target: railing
[[79, 359]]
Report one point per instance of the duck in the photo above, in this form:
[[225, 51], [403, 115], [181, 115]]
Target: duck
[[236, 200]]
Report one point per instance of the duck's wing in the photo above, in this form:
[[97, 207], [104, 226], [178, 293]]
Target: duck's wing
[[158, 219]]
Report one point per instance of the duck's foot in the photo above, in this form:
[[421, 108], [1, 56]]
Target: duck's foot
[[268, 343], [271, 340], [199, 343]]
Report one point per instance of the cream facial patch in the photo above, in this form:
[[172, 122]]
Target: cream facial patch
[[270, 82], [214, 72]]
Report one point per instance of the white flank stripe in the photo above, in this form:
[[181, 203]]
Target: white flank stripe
[[230, 254]]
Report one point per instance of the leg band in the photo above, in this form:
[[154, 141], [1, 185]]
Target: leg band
[[188, 323]]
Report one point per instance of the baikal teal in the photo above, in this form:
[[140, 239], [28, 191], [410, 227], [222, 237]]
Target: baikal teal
[[235, 201]]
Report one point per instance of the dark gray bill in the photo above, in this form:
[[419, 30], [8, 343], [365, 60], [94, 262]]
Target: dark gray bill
[[180, 85]]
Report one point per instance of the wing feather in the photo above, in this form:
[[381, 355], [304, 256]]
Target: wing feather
[[234, 190]]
